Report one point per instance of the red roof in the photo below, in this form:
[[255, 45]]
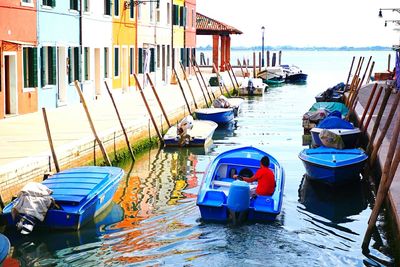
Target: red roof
[[209, 26]]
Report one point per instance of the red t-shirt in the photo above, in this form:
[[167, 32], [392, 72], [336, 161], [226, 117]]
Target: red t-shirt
[[266, 181]]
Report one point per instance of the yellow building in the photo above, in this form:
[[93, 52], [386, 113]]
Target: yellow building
[[179, 15], [124, 43]]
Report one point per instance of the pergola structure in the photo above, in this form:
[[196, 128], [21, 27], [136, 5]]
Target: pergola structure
[[209, 26]]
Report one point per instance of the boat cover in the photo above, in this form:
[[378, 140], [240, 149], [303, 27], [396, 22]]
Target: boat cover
[[333, 122], [221, 102], [4, 247], [330, 106], [33, 200], [330, 139]]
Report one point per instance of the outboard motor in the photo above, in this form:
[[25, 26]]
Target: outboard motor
[[250, 87], [182, 129], [238, 201]]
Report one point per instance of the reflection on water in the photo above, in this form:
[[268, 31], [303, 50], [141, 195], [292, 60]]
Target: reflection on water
[[155, 221]]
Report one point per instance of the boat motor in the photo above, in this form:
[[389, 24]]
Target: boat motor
[[238, 201], [250, 87]]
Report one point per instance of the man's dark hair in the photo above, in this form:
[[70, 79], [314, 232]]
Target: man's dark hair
[[265, 161]]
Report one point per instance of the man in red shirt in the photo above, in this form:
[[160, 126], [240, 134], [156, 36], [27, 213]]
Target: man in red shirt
[[265, 178]]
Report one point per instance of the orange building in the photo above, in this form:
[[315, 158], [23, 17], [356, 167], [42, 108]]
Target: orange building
[[18, 57]]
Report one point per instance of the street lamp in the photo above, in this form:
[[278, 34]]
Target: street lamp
[[393, 9], [262, 46]]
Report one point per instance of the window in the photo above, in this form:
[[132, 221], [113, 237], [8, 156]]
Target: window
[[151, 11], [107, 7], [30, 67], [168, 55], [140, 60], [182, 16], [73, 64], [131, 60], [158, 55], [168, 13], [86, 5], [27, 3], [175, 15], [86, 54], [132, 10], [152, 59], [73, 4], [139, 12], [50, 3], [116, 61], [48, 65], [116, 8], [106, 62]]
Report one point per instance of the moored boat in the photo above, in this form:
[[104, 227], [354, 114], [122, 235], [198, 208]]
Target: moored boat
[[4, 247], [231, 102], [200, 134], [333, 166], [294, 74], [252, 87], [222, 198], [272, 75], [218, 115], [78, 195]]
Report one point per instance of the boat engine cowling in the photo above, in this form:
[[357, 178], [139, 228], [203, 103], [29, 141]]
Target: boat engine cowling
[[239, 196]]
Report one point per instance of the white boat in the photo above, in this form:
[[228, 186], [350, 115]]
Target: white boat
[[252, 86], [199, 134], [294, 74]]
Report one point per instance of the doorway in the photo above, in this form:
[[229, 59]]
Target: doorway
[[10, 84]]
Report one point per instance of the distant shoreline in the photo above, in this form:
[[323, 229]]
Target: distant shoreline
[[316, 48]]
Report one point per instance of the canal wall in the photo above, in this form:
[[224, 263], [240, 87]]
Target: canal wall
[[25, 152], [393, 199]]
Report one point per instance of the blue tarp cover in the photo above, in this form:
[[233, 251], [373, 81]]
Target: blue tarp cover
[[330, 106], [333, 122]]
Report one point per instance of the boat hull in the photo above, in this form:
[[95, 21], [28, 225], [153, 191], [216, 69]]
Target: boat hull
[[350, 137], [200, 135], [215, 196], [296, 78], [333, 166], [4, 247], [82, 193], [218, 115]]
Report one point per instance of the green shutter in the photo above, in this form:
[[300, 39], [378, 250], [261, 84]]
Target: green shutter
[[116, 61], [77, 65], [184, 16], [105, 63], [152, 60], [175, 15], [69, 65], [71, 4], [86, 63], [140, 60], [34, 68], [53, 3], [25, 67], [53, 75], [181, 15], [42, 68]]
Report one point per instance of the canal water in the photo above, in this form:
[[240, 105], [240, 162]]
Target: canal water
[[154, 220]]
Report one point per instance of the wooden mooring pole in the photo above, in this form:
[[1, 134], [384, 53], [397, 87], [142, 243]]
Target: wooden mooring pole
[[371, 113], [371, 96], [241, 68], [187, 81], [158, 99], [53, 152], [389, 171], [384, 130], [183, 92], [148, 108], [120, 121], [233, 74], [351, 68], [230, 77], [199, 82], [219, 81], [99, 142]]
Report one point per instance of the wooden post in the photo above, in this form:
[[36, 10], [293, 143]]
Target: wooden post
[[279, 57], [103, 150], [389, 56], [148, 108], [230, 76], [240, 65], [245, 65], [219, 79], [370, 72], [371, 113], [183, 92], [388, 173], [53, 152], [120, 121], [254, 64], [371, 96], [187, 81], [233, 74], [259, 61], [388, 122], [158, 99], [365, 72], [268, 58], [201, 87], [351, 68], [204, 82]]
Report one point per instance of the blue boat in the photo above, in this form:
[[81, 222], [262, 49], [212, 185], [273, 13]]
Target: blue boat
[[333, 166], [80, 194], [221, 198], [218, 115], [4, 248]]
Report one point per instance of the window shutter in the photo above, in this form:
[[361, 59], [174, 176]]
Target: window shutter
[[152, 61], [34, 68], [53, 65], [42, 68], [140, 60], [181, 16], [175, 14], [71, 4], [86, 65], [77, 65], [116, 62], [184, 16], [53, 3], [69, 65], [25, 64]]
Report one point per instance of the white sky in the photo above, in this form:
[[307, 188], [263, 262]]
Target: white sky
[[305, 22]]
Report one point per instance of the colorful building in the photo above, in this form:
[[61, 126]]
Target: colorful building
[[59, 58], [18, 57], [179, 14], [190, 32], [124, 25]]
